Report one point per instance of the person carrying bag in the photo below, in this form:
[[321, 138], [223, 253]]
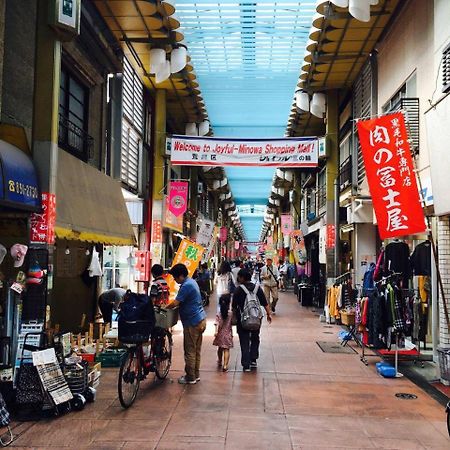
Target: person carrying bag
[[270, 277]]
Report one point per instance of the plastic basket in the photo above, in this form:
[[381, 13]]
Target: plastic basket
[[444, 363], [166, 318], [111, 357]]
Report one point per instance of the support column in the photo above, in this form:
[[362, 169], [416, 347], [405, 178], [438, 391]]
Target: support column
[[159, 139], [332, 144], [46, 117]]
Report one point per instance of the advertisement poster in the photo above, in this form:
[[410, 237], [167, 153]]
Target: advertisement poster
[[286, 224], [207, 151], [178, 197], [298, 246], [390, 173], [205, 232]]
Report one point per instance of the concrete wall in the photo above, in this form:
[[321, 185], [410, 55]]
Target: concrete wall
[[17, 85], [406, 49]]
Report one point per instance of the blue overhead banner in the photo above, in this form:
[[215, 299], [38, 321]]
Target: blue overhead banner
[[19, 187]]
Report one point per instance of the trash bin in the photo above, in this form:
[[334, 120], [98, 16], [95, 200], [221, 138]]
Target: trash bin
[[305, 295]]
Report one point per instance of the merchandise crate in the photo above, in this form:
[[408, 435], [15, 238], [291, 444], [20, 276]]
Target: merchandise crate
[[111, 357], [347, 318]]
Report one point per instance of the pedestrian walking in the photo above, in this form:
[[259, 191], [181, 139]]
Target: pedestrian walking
[[283, 269], [224, 282], [193, 318], [270, 277], [248, 340], [223, 337]]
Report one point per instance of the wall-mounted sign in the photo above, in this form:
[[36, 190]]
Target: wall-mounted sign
[[65, 17], [170, 220], [285, 152], [42, 225], [178, 197], [142, 267], [322, 147]]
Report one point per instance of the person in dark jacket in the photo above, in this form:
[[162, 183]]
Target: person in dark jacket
[[249, 340]]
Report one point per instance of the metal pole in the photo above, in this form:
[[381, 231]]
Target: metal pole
[[337, 193]]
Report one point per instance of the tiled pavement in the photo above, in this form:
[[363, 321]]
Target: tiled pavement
[[300, 398]]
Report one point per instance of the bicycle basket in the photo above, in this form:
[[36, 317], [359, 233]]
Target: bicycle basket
[[134, 332], [166, 318]]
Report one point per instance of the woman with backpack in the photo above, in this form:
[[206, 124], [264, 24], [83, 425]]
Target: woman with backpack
[[223, 337], [248, 333]]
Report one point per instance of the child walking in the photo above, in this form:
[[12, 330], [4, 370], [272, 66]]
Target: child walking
[[223, 337]]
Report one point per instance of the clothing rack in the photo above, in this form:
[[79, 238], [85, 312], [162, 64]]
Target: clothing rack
[[342, 278]]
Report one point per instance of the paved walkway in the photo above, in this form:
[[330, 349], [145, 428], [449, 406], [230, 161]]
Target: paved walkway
[[299, 398]]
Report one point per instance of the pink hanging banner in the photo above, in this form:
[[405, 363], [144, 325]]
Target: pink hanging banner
[[223, 234], [286, 224], [236, 245], [178, 197]]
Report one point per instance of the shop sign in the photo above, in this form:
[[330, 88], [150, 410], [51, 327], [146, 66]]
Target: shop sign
[[42, 225], [207, 151], [65, 16], [298, 246], [212, 243], [190, 254], [170, 220], [205, 232], [391, 176], [322, 147], [286, 224], [322, 245], [178, 197], [156, 251], [156, 231], [142, 267], [223, 234], [331, 236]]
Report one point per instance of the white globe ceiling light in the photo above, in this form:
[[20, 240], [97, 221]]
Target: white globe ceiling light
[[359, 9], [203, 128], [318, 104], [302, 100], [178, 59], [162, 72], [191, 129], [157, 58]]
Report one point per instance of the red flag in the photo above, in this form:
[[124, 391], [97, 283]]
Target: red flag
[[178, 197], [391, 177]]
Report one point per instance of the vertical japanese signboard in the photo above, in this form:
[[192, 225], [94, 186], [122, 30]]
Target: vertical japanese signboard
[[391, 177], [298, 246], [42, 225], [286, 224]]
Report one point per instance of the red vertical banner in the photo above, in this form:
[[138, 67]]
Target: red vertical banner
[[178, 197], [42, 225], [331, 236], [156, 231], [142, 267], [391, 177]]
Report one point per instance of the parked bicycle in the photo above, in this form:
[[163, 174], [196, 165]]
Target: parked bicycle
[[136, 365]]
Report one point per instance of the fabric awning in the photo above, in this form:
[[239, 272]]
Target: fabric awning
[[19, 187], [89, 205]]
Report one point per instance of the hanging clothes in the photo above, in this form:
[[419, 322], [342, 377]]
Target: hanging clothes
[[421, 259], [396, 259]]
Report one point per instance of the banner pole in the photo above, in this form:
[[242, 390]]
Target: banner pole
[[429, 227]]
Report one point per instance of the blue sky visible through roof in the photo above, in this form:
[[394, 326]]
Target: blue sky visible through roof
[[247, 57]]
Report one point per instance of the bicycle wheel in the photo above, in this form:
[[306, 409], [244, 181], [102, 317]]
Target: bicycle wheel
[[129, 377], [163, 354]]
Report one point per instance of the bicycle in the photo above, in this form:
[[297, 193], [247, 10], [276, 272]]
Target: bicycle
[[136, 366]]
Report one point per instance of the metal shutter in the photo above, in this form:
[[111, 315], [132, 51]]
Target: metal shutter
[[132, 126], [362, 107]]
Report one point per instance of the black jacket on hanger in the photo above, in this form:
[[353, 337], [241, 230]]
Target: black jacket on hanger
[[421, 259], [396, 259]]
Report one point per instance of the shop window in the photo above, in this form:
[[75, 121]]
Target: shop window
[[118, 268], [132, 127], [73, 117], [446, 69]]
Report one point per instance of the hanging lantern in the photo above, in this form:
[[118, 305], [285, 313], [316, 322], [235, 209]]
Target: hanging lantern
[[302, 100], [203, 128], [360, 10], [162, 72], [191, 129], [318, 104], [157, 58], [178, 59]]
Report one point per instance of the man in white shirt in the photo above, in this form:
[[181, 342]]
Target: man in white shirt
[[270, 277]]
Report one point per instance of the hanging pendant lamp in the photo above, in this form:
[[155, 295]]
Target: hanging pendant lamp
[[318, 104], [203, 128], [302, 100], [157, 58], [359, 9], [178, 59], [191, 129], [162, 72]]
